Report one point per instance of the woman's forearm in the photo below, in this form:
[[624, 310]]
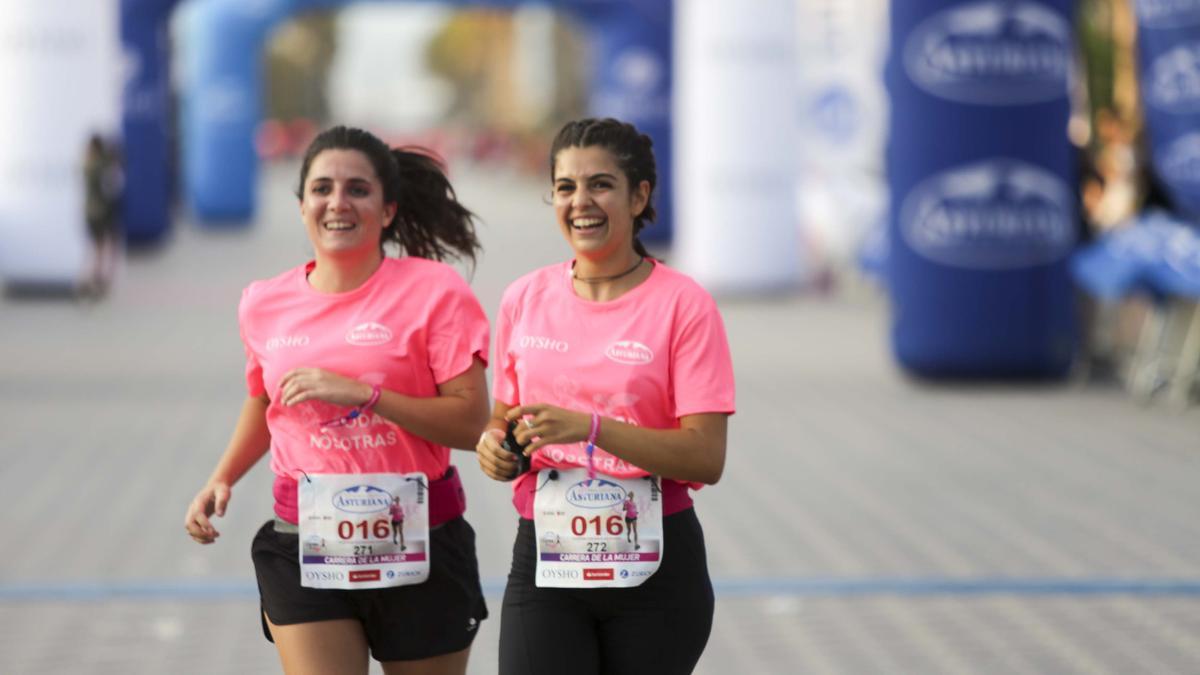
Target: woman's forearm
[[453, 418], [250, 441], [445, 420], [694, 452]]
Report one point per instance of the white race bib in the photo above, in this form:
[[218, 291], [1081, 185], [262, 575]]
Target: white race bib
[[585, 535], [367, 530]]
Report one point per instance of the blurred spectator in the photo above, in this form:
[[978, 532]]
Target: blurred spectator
[[1111, 188], [103, 185]]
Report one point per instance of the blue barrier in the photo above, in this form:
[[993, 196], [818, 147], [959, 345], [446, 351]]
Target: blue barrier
[[1122, 262], [981, 173]]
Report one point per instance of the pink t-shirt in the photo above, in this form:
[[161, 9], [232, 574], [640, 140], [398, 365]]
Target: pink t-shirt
[[653, 355], [412, 325]]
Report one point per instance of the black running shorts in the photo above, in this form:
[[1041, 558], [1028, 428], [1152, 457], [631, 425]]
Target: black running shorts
[[440, 616]]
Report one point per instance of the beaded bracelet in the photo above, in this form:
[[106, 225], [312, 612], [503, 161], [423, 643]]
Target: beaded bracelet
[[357, 411], [591, 445]]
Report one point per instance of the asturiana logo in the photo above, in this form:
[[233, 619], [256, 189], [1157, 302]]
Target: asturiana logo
[[596, 494], [996, 214], [286, 341], [544, 343], [994, 52], [362, 499], [629, 352], [368, 334], [1168, 13], [1173, 80], [1180, 161]]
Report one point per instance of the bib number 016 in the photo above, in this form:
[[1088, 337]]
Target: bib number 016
[[613, 525], [381, 529]]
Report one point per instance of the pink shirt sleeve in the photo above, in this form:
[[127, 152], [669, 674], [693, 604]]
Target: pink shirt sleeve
[[702, 367], [504, 374], [458, 330], [254, 373]]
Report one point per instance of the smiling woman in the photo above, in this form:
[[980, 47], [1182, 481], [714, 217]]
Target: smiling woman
[[363, 370], [620, 368]]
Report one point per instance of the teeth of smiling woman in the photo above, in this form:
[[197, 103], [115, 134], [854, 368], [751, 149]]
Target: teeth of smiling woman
[[584, 223], [338, 225]]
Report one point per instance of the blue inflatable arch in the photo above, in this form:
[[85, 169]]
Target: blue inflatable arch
[[221, 105]]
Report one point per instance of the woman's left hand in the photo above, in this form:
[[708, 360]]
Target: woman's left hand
[[548, 425], [304, 384]]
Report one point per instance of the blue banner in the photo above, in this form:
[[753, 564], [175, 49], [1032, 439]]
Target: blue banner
[[1169, 63], [983, 209]]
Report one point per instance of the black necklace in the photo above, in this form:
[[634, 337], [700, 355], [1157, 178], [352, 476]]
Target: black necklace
[[597, 280]]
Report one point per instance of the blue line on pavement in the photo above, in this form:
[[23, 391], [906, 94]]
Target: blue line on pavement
[[200, 590]]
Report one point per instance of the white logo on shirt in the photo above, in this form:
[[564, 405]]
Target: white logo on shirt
[[286, 341], [367, 334], [629, 352], [548, 344]]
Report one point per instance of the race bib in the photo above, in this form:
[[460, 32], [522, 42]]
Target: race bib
[[596, 533], [366, 530]]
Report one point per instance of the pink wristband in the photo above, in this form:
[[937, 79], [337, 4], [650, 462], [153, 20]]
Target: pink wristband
[[595, 431], [376, 392], [591, 445]]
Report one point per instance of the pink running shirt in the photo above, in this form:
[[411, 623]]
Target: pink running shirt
[[412, 325], [653, 355]]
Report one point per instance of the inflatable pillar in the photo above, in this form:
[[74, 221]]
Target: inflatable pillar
[[222, 104], [631, 80], [983, 203], [1169, 51], [60, 67], [146, 124], [736, 100]]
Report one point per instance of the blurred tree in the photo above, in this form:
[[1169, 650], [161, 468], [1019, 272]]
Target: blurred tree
[[297, 58], [475, 52], [1107, 33]]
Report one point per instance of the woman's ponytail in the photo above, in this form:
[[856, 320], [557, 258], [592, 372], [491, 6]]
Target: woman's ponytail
[[429, 222]]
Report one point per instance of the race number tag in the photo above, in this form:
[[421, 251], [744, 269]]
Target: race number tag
[[596, 533], [366, 530]]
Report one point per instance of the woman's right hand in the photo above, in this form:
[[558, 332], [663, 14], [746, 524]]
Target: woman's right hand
[[211, 499], [496, 462]]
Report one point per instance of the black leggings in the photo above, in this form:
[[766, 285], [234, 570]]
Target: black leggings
[[659, 628]]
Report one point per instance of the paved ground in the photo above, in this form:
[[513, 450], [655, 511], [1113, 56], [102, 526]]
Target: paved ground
[[866, 523]]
